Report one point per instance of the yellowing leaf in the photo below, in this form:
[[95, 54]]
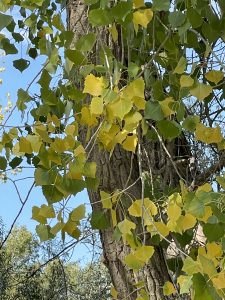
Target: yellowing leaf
[[96, 106], [205, 188], [214, 250], [191, 266], [208, 266], [71, 130], [173, 212], [114, 218], [139, 3], [119, 108], [142, 17], [185, 283], [144, 253], [78, 213], [219, 281], [214, 76], [139, 102], [207, 213], [114, 32], [201, 91], [94, 85], [208, 135], [181, 66], [25, 146], [35, 142], [135, 89], [138, 258], [47, 211], [186, 81], [114, 293], [186, 222], [168, 289], [130, 143], [132, 120], [125, 226], [106, 200], [167, 106], [139, 208], [87, 118], [161, 229]]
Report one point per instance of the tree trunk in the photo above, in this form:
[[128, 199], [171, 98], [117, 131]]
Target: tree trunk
[[119, 171]]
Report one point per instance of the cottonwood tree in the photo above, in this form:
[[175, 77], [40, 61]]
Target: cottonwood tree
[[136, 117]]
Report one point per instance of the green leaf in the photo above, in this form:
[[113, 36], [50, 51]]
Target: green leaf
[[99, 220], [201, 91], [160, 5], [100, 17], [15, 162], [191, 266], [51, 193], [78, 213], [190, 123], [202, 289], [194, 17], [5, 20], [153, 111], [76, 57], [86, 42], [42, 177], [47, 211], [23, 97], [185, 283], [21, 64], [176, 19], [181, 66], [3, 163], [7, 47], [70, 186], [169, 129], [44, 232], [121, 10], [214, 232]]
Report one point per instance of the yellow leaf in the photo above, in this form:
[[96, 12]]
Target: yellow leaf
[[207, 213], [87, 118], [114, 32], [214, 250], [119, 108], [205, 188], [25, 146], [139, 3], [208, 266], [96, 107], [132, 120], [167, 106], [191, 266], [181, 66], [106, 200], [142, 17], [201, 91], [79, 150], [90, 169], [214, 76], [47, 211], [58, 226], [41, 130], [139, 102], [173, 212], [208, 135], [130, 143], [135, 89], [114, 218], [144, 253], [185, 283], [94, 85], [186, 222], [219, 281], [114, 293], [168, 289], [186, 81], [139, 208], [161, 228], [71, 130], [125, 226], [35, 142]]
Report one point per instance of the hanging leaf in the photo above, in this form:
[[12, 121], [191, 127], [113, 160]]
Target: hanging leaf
[[21, 64], [5, 20], [208, 135], [201, 91]]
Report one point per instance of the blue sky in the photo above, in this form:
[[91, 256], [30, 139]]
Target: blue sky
[[12, 80]]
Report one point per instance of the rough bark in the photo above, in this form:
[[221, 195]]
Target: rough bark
[[119, 171]]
